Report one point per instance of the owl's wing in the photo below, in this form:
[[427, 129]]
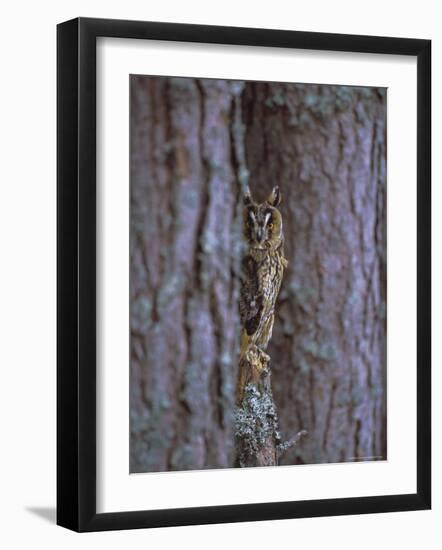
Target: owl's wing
[[251, 299]]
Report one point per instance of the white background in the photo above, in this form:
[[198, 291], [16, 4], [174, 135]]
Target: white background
[[27, 300]]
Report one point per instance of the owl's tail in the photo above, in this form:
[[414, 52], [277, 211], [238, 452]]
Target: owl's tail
[[246, 340]]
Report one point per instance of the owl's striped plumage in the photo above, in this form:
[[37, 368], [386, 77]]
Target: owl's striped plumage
[[262, 270]]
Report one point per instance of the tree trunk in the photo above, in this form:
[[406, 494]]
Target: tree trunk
[[194, 143], [256, 419], [325, 147], [185, 227]]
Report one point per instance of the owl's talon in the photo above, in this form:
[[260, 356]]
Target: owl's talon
[[255, 354], [263, 356]]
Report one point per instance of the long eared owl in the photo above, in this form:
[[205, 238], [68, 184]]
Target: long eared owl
[[262, 269]]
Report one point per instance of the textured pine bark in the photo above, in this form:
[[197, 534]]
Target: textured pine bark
[[184, 295], [195, 144], [325, 147]]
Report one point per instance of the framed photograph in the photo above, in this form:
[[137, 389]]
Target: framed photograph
[[243, 274]]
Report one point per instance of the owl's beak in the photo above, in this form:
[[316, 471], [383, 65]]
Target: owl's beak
[[259, 234]]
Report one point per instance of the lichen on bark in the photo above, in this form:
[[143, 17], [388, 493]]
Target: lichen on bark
[[256, 427]]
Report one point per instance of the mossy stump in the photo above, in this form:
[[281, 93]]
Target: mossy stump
[[256, 420]]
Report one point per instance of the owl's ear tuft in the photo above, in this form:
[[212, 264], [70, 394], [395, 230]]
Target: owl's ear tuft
[[247, 199], [274, 199]]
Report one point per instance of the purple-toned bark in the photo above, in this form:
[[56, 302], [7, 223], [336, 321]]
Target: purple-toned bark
[[184, 314], [325, 148]]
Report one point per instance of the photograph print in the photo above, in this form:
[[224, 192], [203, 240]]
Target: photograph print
[[257, 274]]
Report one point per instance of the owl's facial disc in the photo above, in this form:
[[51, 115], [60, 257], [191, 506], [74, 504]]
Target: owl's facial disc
[[259, 222]]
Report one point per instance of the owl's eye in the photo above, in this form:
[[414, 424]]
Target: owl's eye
[[270, 225]]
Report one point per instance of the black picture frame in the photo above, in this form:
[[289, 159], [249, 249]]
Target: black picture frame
[[77, 288]]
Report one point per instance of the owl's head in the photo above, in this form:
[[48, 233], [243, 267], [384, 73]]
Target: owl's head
[[263, 222]]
